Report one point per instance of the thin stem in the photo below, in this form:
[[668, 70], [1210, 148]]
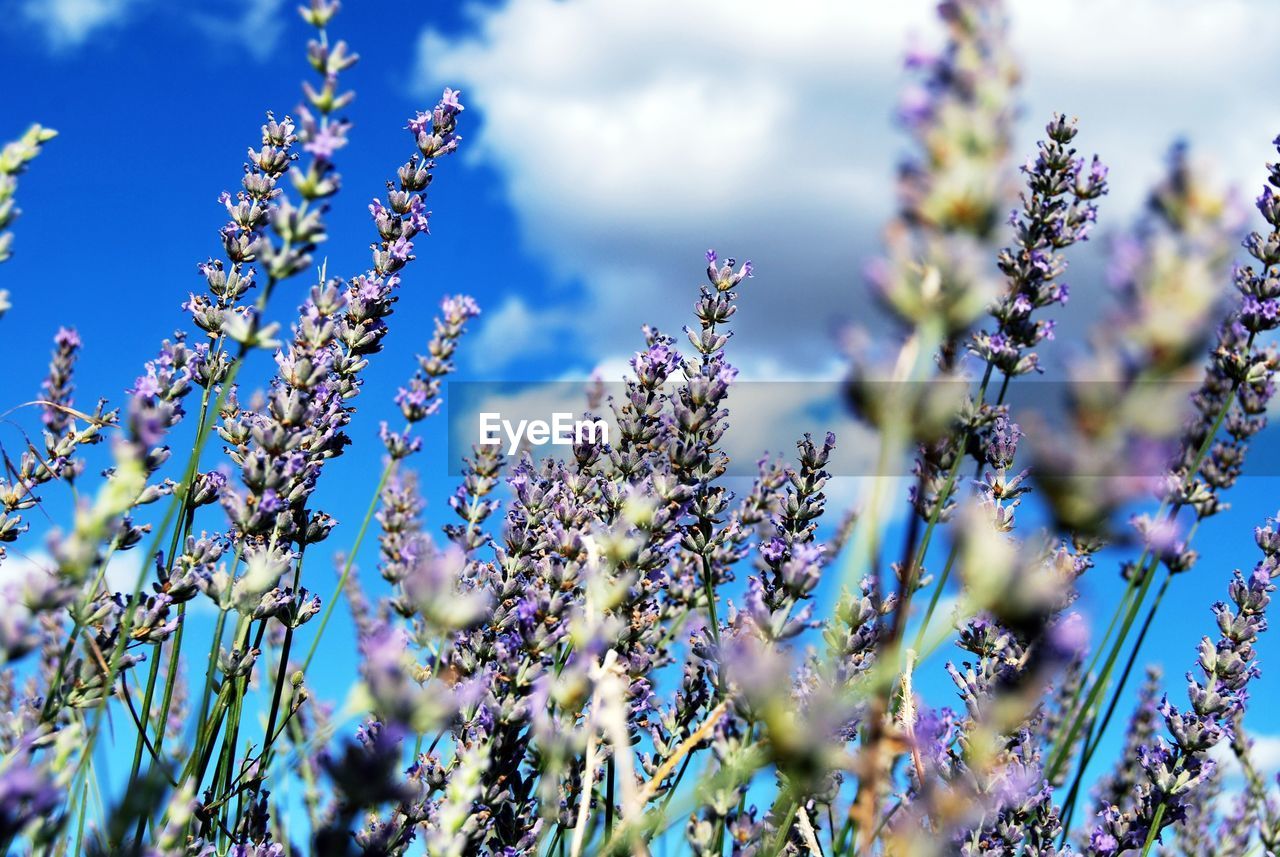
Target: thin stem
[[709, 587], [784, 829], [230, 746], [349, 564], [1095, 739], [80, 815], [1146, 573], [215, 646], [199, 762], [555, 840], [936, 596], [275, 698], [171, 679], [209, 729], [128, 702], [1063, 750], [671, 792], [152, 675], [1155, 829]]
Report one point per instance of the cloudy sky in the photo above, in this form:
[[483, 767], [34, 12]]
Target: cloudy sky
[[630, 134], [608, 143], [618, 140]]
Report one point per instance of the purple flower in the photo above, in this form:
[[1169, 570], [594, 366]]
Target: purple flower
[[774, 550], [1056, 214], [725, 277], [326, 141], [450, 100], [1175, 772], [28, 795], [401, 250]]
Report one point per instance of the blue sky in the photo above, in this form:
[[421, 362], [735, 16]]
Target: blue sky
[[606, 145]]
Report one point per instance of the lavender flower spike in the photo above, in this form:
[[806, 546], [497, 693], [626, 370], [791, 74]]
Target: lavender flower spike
[[421, 397], [1058, 210], [14, 158], [1176, 769]]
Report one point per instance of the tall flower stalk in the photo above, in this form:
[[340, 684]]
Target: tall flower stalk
[[14, 158], [1177, 768], [1233, 395], [604, 650]]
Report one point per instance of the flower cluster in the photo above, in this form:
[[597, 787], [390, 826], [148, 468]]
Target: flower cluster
[[421, 398], [1140, 353], [621, 649], [1058, 210], [63, 439], [961, 115], [14, 158], [1237, 386], [1176, 769], [953, 187]]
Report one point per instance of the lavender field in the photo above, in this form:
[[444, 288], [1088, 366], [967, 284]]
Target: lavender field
[[383, 479]]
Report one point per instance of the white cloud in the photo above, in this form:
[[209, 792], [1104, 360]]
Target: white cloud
[[122, 574], [256, 25], [68, 23], [516, 328], [1265, 755], [633, 135], [122, 568]]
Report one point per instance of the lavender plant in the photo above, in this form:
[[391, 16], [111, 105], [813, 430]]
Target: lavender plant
[[14, 158], [609, 651]]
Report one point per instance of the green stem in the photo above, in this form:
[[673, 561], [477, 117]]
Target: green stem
[[180, 534], [784, 829], [230, 748], [936, 596], [347, 566], [171, 679], [671, 792], [1095, 739], [1063, 750], [1060, 752], [209, 727], [555, 840], [1155, 829], [1121, 605], [841, 842], [152, 675], [709, 587], [275, 700], [80, 816], [199, 762], [215, 646]]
